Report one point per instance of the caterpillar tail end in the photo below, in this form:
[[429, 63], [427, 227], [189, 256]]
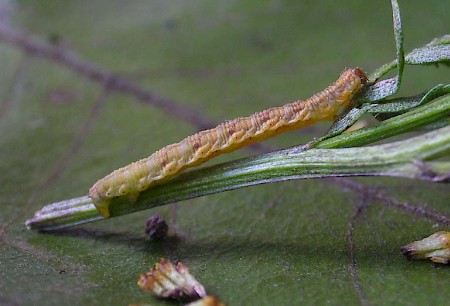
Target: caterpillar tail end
[[100, 204]]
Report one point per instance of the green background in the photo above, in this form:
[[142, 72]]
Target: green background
[[280, 244]]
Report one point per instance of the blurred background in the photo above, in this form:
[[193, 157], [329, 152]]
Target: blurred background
[[89, 86]]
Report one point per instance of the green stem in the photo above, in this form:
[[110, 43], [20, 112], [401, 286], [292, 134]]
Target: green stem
[[63, 214], [394, 159], [414, 119]]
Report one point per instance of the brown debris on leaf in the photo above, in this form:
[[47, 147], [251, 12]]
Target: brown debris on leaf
[[435, 247], [166, 280], [156, 228]]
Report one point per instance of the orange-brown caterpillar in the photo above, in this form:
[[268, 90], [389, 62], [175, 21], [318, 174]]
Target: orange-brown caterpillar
[[196, 149]]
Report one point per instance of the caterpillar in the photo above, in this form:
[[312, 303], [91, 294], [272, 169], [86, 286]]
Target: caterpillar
[[196, 149]]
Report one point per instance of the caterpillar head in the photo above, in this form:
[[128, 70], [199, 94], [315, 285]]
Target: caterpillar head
[[362, 76]]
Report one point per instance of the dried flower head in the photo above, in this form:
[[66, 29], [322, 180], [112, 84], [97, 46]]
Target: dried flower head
[[166, 280], [435, 247], [207, 301]]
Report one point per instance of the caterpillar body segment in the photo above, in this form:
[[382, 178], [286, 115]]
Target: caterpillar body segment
[[196, 149]]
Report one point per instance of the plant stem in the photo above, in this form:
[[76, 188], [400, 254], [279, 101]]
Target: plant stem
[[414, 119], [63, 214], [393, 159]]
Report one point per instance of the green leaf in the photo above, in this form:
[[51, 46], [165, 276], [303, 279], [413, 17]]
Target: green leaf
[[299, 242], [407, 103], [429, 54], [389, 87]]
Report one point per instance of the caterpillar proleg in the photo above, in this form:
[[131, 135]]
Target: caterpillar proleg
[[196, 149]]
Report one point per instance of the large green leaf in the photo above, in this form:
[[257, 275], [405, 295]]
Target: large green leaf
[[286, 243]]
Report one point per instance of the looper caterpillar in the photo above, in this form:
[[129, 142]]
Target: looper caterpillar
[[196, 149]]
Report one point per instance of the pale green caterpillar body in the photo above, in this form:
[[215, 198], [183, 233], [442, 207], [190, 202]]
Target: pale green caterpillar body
[[196, 149]]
